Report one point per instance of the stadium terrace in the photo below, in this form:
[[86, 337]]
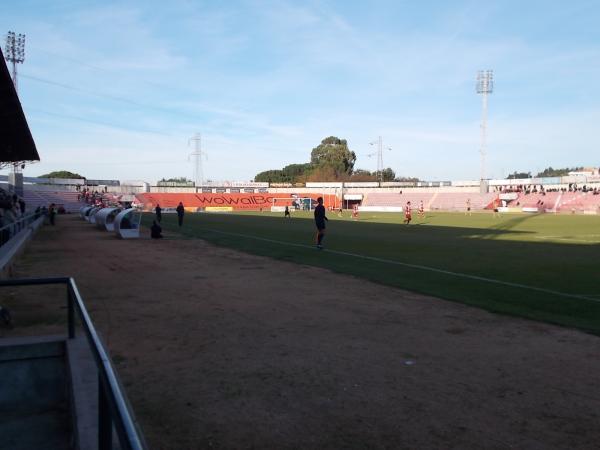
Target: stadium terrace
[[576, 193]]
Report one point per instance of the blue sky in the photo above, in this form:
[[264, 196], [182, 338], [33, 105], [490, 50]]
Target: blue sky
[[116, 89]]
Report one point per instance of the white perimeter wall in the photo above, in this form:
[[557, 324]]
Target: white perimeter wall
[[395, 190]]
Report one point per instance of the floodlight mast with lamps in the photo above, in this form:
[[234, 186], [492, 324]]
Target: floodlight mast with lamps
[[485, 86], [15, 52]]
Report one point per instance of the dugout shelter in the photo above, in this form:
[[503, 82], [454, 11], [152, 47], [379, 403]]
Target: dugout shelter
[[105, 218], [84, 211], [127, 224], [90, 215]]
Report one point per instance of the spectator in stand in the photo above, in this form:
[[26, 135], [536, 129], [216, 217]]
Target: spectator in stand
[[158, 211], [22, 206], [16, 210], [180, 212], [52, 213]]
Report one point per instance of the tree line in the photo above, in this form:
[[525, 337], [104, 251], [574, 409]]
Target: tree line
[[331, 160], [547, 172]]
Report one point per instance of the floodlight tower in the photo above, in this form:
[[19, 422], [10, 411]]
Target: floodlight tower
[[379, 143], [197, 154], [15, 52], [485, 86]]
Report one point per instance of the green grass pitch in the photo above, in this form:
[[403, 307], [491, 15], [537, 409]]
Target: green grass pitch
[[544, 267]]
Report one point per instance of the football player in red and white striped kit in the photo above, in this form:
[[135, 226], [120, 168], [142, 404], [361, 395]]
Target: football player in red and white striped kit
[[421, 210], [407, 213]]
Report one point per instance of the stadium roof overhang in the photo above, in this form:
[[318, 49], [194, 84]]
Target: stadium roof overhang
[[16, 142]]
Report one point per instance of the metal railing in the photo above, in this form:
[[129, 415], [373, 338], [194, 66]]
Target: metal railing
[[8, 231], [113, 408]]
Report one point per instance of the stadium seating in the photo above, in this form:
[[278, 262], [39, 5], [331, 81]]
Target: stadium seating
[[446, 201], [534, 200], [35, 198], [396, 199], [579, 201], [457, 201]]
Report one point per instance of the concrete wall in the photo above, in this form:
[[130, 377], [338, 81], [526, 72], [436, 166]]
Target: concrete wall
[[34, 406], [14, 247]]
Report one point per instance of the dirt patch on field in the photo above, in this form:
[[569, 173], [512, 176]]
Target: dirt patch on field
[[220, 349]]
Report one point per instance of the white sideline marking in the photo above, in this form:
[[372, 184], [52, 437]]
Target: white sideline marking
[[560, 238], [418, 266]]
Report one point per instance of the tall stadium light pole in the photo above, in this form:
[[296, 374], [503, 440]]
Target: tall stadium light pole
[[197, 154], [485, 86], [15, 52]]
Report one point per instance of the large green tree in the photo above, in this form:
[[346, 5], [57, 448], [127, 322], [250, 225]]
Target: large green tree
[[271, 176], [331, 160], [550, 172], [62, 174], [296, 171], [388, 174], [176, 180], [518, 175], [364, 175], [334, 154], [289, 174], [359, 175], [407, 179]]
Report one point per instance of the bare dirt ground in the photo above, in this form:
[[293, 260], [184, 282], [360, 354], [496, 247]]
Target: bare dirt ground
[[220, 349]]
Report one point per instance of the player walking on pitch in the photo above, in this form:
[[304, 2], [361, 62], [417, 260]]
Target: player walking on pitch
[[320, 219], [468, 211], [180, 212], [421, 210], [496, 205], [407, 213]]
